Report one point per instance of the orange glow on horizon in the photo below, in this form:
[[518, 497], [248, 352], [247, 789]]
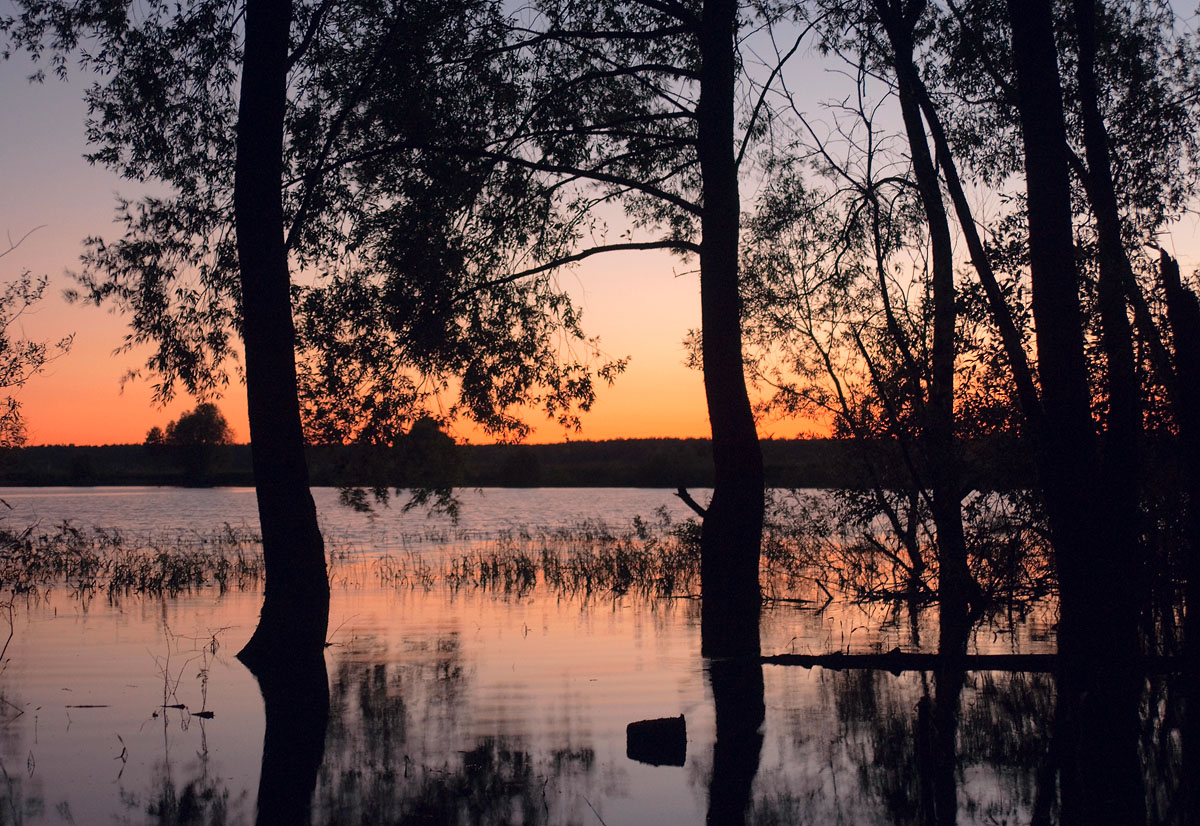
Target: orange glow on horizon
[[80, 398]]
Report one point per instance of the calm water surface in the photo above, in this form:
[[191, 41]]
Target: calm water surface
[[470, 706]]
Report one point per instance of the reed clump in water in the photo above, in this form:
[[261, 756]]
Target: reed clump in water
[[108, 559], [650, 559]]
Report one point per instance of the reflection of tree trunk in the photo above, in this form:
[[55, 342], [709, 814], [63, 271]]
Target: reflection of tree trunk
[[1190, 787], [737, 686], [937, 753], [732, 531], [297, 710], [296, 600], [939, 724], [1096, 741]]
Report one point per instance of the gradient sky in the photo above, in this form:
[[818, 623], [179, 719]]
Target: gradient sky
[[640, 304]]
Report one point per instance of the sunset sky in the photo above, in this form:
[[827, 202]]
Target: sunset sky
[[640, 304]]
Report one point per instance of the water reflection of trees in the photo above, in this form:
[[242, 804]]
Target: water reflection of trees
[[937, 747], [919, 748], [865, 746], [395, 752]]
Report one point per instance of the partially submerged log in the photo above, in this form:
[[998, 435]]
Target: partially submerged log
[[659, 742], [897, 661]]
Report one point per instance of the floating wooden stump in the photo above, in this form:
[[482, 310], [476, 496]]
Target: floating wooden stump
[[660, 742]]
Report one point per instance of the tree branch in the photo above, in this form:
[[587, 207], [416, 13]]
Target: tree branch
[[672, 9], [589, 174], [762, 98], [310, 34], [12, 245], [673, 245], [682, 493]]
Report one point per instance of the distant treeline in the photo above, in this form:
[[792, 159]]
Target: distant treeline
[[992, 464]]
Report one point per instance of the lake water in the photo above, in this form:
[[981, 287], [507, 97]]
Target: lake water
[[471, 705]]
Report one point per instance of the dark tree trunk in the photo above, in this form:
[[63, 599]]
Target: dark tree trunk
[[295, 610], [296, 703], [737, 686], [732, 531], [955, 585], [1097, 633], [1010, 337], [1066, 460], [1183, 313], [1096, 740], [1122, 439]]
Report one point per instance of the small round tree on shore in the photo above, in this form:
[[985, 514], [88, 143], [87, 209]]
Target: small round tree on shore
[[193, 438]]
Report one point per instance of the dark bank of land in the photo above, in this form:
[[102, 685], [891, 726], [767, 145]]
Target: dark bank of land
[[823, 463]]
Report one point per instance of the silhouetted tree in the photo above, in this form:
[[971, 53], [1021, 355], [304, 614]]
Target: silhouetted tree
[[191, 441], [277, 145], [637, 103], [204, 425], [296, 595], [20, 358], [917, 394], [1129, 142]]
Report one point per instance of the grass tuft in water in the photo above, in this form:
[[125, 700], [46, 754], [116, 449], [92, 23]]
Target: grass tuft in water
[[108, 559], [658, 559]]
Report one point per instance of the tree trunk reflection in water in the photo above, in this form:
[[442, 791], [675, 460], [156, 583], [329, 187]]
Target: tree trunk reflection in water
[[937, 723], [296, 701], [1096, 738], [737, 687]]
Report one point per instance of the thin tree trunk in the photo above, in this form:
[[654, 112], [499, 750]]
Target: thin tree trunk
[[1067, 461], [954, 577], [1027, 395], [732, 530], [1125, 558], [296, 601]]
